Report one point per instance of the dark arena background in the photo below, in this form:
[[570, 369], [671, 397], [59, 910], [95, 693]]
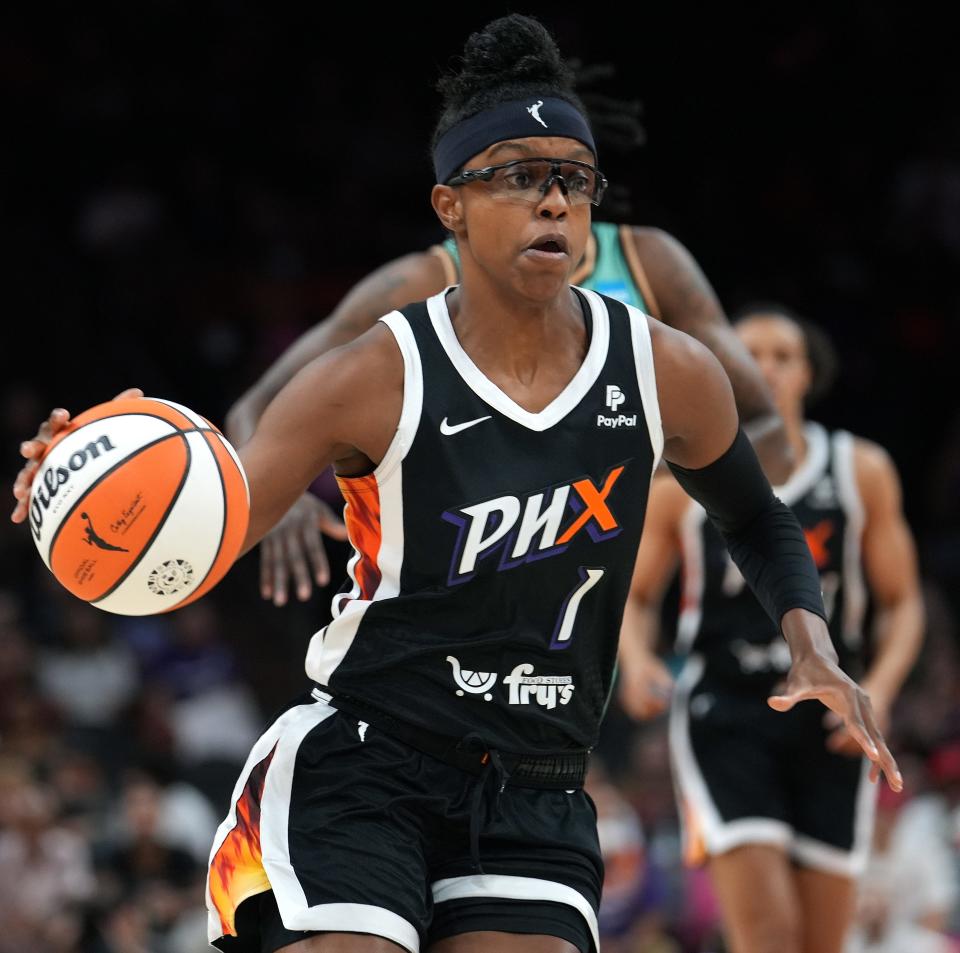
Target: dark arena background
[[184, 189]]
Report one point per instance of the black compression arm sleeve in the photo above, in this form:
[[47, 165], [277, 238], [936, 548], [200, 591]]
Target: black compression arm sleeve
[[761, 533]]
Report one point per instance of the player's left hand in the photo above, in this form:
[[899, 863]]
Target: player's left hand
[[814, 675], [840, 741]]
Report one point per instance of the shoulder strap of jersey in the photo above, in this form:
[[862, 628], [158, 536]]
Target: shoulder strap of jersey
[[399, 323], [646, 372]]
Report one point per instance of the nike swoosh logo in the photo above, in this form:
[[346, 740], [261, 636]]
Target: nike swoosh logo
[[449, 429]]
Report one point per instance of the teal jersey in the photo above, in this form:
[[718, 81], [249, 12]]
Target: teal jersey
[[607, 268]]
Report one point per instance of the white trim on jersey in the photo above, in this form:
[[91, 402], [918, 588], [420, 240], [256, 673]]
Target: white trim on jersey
[[412, 396], [646, 378], [814, 465], [854, 587], [486, 390], [329, 646], [503, 887], [693, 577]]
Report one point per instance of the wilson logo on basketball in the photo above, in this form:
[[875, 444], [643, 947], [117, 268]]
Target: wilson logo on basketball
[[50, 481], [541, 525]]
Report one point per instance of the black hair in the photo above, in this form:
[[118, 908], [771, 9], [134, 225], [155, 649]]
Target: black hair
[[617, 131], [510, 58], [615, 121], [822, 355]]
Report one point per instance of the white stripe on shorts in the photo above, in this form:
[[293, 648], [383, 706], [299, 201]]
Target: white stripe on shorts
[[500, 886]]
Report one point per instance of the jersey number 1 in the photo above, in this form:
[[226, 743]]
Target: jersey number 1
[[563, 631]]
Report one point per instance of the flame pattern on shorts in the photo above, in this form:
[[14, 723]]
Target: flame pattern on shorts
[[236, 870]]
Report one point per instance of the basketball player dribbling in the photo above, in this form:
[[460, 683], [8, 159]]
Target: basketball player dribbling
[[641, 266], [776, 803], [428, 792]]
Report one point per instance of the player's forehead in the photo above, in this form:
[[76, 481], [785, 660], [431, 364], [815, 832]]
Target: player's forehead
[[771, 329], [552, 147]]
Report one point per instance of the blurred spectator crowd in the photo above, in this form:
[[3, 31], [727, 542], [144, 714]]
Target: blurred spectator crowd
[[176, 227]]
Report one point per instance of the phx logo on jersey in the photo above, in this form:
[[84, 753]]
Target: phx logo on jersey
[[536, 526]]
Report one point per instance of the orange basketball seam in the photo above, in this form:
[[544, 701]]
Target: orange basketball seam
[[146, 547]]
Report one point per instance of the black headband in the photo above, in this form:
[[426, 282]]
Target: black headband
[[536, 116]]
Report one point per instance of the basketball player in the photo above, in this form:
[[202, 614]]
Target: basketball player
[[777, 802], [643, 267], [428, 793]]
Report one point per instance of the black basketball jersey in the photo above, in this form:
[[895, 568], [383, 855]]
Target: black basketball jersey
[[493, 547], [720, 618]]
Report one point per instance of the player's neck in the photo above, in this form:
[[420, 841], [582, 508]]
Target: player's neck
[[494, 325]]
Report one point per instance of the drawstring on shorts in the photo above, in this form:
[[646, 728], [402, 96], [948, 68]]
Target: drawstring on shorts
[[493, 767]]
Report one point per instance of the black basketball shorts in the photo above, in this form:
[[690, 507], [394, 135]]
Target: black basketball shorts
[[336, 826], [746, 774]]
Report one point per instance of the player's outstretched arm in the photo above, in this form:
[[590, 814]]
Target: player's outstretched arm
[[715, 463], [686, 301], [293, 550], [328, 414]]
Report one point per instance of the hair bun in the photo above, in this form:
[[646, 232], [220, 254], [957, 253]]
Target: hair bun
[[515, 50]]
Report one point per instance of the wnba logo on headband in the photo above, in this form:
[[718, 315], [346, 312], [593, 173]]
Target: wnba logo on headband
[[520, 119]]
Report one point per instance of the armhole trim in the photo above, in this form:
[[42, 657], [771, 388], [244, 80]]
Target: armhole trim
[[412, 396], [646, 379]]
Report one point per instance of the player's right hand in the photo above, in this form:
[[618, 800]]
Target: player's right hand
[[34, 449], [294, 545], [645, 687]]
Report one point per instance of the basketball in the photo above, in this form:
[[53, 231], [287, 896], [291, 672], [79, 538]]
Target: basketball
[[139, 506]]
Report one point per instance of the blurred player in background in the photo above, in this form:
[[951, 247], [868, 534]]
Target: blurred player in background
[[780, 805]]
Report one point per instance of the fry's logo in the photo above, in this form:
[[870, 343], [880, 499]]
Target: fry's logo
[[524, 688], [535, 527], [544, 690]]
